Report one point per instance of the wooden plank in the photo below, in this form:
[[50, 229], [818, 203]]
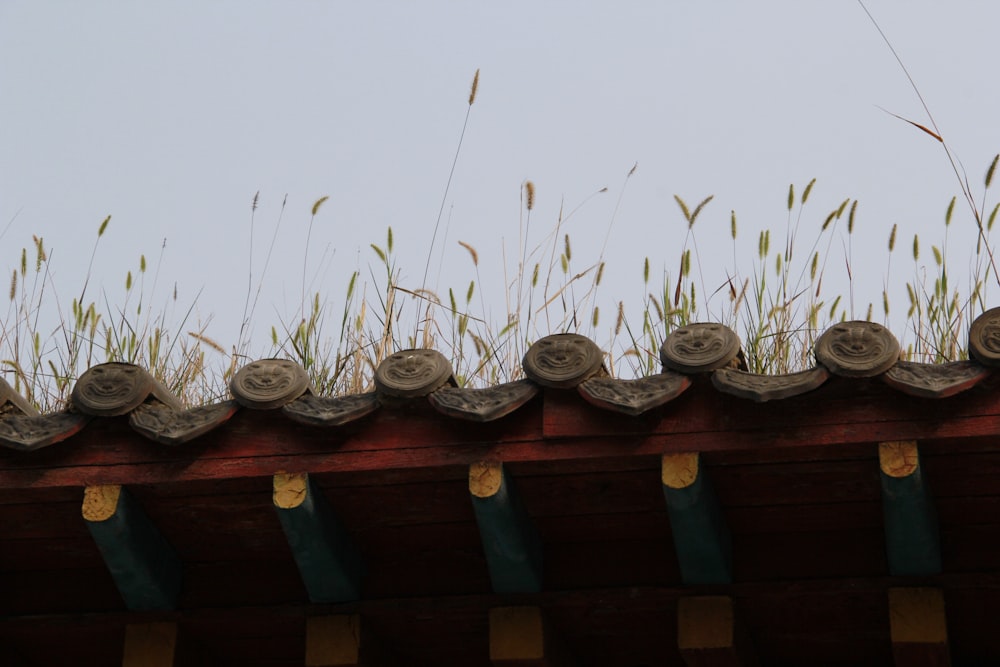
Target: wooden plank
[[918, 627], [701, 536], [150, 645], [521, 637], [510, 540], [259, 443], [912, 540], [708, 634], [328, 560], [333, 640], [144, 566], [343, 640]]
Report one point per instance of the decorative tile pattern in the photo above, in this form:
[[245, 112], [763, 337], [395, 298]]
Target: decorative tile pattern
[[483, 405], [762, 388], [935, 380], [327, 411], [269, 383], [165, 425], [984, 338], [562, 361], [700, 348], [857, 349], [634, 397], [27, 434], [413, 373], [112, 389]]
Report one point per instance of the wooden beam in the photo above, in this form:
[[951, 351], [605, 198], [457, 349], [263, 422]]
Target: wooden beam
[[912, 540], [150, 645], [329, 563], [145, 567], [918, 627], [343, 640], [520, 637], [708, 634], [701, 536], [510, 540]]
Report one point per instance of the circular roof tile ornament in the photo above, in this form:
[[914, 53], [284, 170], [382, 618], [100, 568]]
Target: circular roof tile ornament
[[857, 349], [111, 389], [412, 373], [700, 348], [269, 383], [984, 338], [562, 361]]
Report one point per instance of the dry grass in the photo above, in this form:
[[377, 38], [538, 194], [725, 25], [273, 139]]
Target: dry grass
[[778, 307]]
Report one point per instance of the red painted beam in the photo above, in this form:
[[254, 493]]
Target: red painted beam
[[560, 428]]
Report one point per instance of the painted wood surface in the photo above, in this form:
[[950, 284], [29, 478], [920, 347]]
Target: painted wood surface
[[708, 634], [809, 552], [150, 645], [521, 637], [918, 627], [327, 558], [912, 537], [510, 540], [344, 640], [701, 535], [143, 564], [561, 427]]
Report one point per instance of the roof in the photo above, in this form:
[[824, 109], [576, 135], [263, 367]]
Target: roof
[[812, 510]]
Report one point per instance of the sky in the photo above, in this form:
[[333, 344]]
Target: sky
[[173, 117]]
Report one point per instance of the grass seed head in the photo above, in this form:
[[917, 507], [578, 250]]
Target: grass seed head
[[992, 170], [892, 238], [529, 195], [805, 193], [472, 252], [474, 89], [319, 202]]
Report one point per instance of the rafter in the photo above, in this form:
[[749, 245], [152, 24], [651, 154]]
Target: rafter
[[142, 563], [329, 563]]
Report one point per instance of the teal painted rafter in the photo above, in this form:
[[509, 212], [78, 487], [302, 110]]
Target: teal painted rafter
[[701, 536], [329, 563], [912, 541], [510, 540], [142, 563]]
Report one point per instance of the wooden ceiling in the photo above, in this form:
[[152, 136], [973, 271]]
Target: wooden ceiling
[[799, 482]]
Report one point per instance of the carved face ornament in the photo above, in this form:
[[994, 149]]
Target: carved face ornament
[[412, 373], [111, 389], [269, 383], [857, 349], [562, 360], [700, 347]]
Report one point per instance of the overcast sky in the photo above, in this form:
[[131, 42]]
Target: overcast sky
[[171, 116]]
